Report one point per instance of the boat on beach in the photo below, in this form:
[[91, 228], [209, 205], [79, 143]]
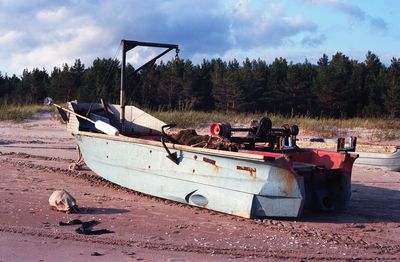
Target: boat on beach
[[385, 157], [390, 161], [262, 173]]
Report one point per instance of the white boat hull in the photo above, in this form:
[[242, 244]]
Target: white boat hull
[[381, 160], [201, 179]]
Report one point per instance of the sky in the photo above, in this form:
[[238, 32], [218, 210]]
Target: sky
[[48, 33]]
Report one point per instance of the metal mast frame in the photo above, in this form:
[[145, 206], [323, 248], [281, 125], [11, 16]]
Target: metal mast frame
[[126, 46]]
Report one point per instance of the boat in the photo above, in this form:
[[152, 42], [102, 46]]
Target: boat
[[384, 157], [389, 161], [262, 173]]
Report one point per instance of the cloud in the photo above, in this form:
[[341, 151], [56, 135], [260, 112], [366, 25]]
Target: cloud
[[269, 31], [53, 37], [378, 24], [203, 25], [46, 33], [267, 25], [52, 15], [353, 12], [316, 41], [10, 38]]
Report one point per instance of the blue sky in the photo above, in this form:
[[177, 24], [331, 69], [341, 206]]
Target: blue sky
[[48, 33]]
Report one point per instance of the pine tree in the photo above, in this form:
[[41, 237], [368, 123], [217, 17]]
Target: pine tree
[[203, 86], [218, 79], [170, 85], [77, 71], [252, 84], [358, 96], [276, 94], [392, 97], [373, 85], [233, 86], [101, 81], [40, 82], [14, 85], [341, 71], [261, 75], [3, 86], [298, 89]]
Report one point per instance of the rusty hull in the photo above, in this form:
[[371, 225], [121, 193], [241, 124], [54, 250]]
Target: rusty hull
[[272, 185]]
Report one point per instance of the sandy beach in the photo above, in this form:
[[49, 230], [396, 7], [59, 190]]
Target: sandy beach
[[34, 159]]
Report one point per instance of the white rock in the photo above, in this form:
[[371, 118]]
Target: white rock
[[63, 201]]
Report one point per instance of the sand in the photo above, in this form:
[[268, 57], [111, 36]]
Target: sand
[[34, 159]]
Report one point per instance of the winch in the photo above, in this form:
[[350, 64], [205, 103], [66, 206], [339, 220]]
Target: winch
[[277, 139]]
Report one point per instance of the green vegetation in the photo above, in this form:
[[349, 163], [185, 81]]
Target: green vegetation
[[336, 87], [20, 112]]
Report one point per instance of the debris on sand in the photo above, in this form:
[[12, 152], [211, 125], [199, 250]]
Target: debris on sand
[[96, 254], [61, 200], [86, 227]]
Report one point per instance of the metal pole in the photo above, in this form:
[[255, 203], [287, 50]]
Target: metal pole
[[122, 92], [126, 46]]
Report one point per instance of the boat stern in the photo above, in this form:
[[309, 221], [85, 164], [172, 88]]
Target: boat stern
[[283, 194], [327, 178]]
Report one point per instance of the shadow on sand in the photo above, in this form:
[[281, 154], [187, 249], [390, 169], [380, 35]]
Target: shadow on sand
[[103, 211], [368, 204]]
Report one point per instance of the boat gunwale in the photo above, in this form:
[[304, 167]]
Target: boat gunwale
[[236, 155], [384, 155]]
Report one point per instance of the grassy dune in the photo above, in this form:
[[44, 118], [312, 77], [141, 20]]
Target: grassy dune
[[383, 128]]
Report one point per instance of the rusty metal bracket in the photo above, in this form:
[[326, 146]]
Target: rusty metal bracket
[[172, 156], [341, 145]]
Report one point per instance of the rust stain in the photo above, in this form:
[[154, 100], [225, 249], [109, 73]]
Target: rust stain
[[288, 181], [208, 160], [216, 168], [251, 170]]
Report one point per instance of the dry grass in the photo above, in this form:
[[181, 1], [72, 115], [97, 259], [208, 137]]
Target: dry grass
[[20, 112], [379, 128], [199, 119]]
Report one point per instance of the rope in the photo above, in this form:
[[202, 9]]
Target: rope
[[78, 163]]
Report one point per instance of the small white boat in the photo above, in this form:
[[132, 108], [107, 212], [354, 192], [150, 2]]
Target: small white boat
[[385, 157], [389, 161]]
